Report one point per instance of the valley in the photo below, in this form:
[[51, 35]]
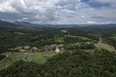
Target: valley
[[43, 51]]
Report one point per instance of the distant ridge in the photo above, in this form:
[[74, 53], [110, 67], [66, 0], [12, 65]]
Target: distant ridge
[[22, 23], [17, 24]]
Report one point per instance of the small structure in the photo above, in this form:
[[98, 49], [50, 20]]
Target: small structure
[[57, 50], [34, 48], [22, 50], [64, 31], [26, 47]]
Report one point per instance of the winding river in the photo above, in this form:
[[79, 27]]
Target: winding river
[[30, 58]]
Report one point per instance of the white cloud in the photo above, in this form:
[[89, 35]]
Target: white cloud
[[91, 22], [57, 11], [25, 18], [37, 16], [83, 16], [5, 7], [109, 22]]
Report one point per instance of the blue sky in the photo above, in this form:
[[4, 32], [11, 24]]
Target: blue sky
[[59, 11]]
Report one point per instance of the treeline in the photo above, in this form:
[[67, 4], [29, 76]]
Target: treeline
[[76, 64], [73, 40], [82, 46]]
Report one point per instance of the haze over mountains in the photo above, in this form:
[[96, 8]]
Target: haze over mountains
[[17, 24]]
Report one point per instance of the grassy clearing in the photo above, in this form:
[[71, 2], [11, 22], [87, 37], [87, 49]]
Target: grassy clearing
[[19, 33], [3, 64], [15, 57], [38, 58], [89, 50], [59, 39], [106, 46], [81, 37], [48, 54], [70, 36], [84, 38], [11, 59]]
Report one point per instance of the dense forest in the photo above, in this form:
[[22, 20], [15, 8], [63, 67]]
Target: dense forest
[[76, 64]]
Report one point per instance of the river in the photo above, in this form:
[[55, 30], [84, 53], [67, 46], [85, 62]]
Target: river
[[30, 58]]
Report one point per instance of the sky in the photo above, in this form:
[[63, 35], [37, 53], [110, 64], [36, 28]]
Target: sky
[[59, 11]]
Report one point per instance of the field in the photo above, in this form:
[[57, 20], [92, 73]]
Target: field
[[19, 33], [41, 57], [38, 58], [59, 39], [13, 57], [106, 46]]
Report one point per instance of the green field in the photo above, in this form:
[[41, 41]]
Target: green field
[[38, 58], [19, 33], [81, 37], [59, 39], [11, 59], [70, 36], [84, 38], [48, 54], [106, 46]]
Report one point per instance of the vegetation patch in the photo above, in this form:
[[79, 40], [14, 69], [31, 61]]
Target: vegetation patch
[[106, 46], [19, 33], [38, 58], [59, 39]]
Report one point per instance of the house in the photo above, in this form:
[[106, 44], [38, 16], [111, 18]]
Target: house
[[62, 49], [87, 43], [57, 50], [34, 48], [46, 50], [22, 50], [64, 31], [60, 45], [18, 48], [26, 47]]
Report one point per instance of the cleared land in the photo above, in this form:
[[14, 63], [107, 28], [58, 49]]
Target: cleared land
[[59, 39], [105, 46], [11, 59], [38, 58]]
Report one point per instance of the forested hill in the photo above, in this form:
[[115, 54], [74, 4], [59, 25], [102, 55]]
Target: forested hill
[[76, 64]]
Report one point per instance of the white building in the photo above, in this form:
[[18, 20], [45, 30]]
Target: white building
[[57, 50]]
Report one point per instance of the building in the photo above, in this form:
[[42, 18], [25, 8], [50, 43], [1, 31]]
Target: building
[[34, 48], [57, 50], [64, 31]]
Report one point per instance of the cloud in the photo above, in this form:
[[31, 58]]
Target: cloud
[[91, 22], [83, 16], [6, 7], [57, 11], [109, 22], [25, 18], [97, 17]]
